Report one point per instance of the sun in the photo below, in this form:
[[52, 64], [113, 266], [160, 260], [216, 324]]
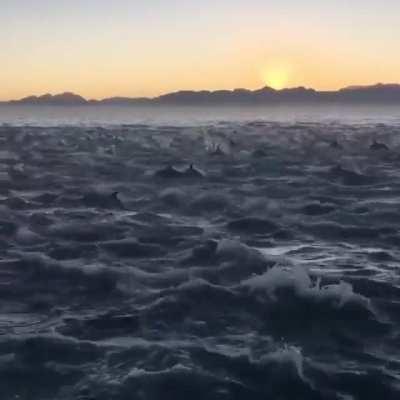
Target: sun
[[276, 77]]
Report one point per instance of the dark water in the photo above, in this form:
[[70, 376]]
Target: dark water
[[269, 270]]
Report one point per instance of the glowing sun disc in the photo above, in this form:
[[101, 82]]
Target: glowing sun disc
[[276, 78]]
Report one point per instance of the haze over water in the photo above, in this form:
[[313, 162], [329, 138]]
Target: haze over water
[[119, 115]]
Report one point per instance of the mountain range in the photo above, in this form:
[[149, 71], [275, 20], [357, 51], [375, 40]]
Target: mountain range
[[375, 94]]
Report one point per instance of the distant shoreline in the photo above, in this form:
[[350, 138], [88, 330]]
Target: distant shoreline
[[380, 94], [271, 105]]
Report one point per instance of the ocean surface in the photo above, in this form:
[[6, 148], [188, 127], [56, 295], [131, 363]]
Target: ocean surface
[[199, 254]]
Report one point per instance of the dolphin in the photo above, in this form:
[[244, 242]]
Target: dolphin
[[335, 145], [173, 173], [378, 146], [100, 200], [193, 172], [168, 173]]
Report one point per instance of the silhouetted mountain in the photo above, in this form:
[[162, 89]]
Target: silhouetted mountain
[[389, 93], [121, 101], [379, 94], [238, 96], [66, 98]]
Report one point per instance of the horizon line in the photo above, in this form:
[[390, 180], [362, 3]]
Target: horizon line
[[133, 97]]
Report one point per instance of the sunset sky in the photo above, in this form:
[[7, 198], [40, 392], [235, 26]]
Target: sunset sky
[[101, 48]]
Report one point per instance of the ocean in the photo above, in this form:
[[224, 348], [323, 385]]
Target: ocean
[[182, 253]]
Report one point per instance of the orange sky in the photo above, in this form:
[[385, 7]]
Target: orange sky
[[145, 48]]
